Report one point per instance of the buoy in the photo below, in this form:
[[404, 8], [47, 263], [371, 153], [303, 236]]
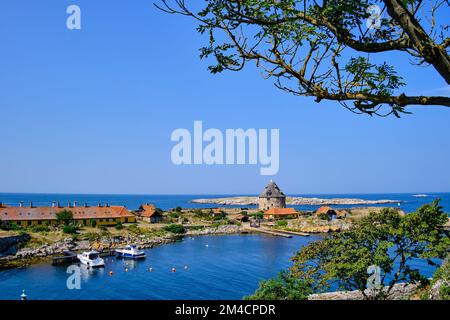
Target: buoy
[[186, 267], [126, 269], [150, 269], [23, 296], [111, 273], [207, 245], [173, 270]]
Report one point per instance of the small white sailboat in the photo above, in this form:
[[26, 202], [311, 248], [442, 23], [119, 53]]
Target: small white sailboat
[[91, 259], [131, 252]]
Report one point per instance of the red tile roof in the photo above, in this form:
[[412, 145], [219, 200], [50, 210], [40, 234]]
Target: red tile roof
[[49, 213], [324, 209], [281, 211], [148, 210]]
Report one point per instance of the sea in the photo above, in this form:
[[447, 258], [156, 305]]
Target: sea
[[226, 267], [408, 202]]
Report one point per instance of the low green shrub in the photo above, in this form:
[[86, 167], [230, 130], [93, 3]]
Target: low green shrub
[[324, 216], [282, 223], [40, 228], [11, 226], [70, 229], [174, 214], [175, 228]]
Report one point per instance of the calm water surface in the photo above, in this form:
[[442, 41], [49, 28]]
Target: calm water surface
[[219, 267]]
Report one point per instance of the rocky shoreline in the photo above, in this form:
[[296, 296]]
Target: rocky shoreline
[[400, 291], [28, 256], [251, 201]]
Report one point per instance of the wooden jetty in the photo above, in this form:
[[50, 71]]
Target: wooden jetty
[[279, 233], [297, 233], [69, 256], [273, 233]]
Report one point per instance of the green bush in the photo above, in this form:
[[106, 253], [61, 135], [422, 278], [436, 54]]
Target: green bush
[[119, 225], [258, 215], [199, 213], [70, 229], [40, 228], [174, 214], [135, 229], [282, 223], [283, 287], [443, 274], [175, 228], [11, 226], [92, 223], [64, 217], [324, 216]]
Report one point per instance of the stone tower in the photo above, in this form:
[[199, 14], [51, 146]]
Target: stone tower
[[271, 197]]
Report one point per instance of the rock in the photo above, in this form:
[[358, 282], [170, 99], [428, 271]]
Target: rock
[[400, 291], [248, 201]]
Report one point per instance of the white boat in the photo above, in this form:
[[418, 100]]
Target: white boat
[[91, 259], [130, 251]]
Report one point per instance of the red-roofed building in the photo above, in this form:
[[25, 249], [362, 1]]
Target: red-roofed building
[[277, 213], [330, 212], [30, 215], [148, 212]]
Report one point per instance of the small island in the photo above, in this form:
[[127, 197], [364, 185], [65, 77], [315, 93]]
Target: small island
[[293, 201]]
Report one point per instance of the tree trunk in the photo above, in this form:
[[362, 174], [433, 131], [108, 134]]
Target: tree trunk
[[432, 53]]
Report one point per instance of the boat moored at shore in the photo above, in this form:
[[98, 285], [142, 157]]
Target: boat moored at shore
[[130, 252], [91, 259]]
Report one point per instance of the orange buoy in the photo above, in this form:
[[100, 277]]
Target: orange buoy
[[173, 270], [111, 273]]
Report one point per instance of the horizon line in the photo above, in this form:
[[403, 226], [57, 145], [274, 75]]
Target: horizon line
[[215, 194]]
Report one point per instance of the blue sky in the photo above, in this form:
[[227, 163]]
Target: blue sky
[[92, 111]]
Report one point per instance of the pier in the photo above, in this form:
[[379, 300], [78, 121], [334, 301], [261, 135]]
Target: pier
[[273, 233], [278, 233], [69, 256], [296, 233]]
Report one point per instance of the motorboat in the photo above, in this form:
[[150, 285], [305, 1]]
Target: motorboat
[[91, 259], [131, 252]]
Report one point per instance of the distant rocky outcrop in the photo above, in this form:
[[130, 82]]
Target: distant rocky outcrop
[[249, 201]]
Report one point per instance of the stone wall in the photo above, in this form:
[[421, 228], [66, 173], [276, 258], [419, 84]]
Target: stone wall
[[10, 245], [267, 203]]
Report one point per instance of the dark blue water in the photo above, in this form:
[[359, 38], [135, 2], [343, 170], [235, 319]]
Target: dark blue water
[[407, 202], [230, 267]]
